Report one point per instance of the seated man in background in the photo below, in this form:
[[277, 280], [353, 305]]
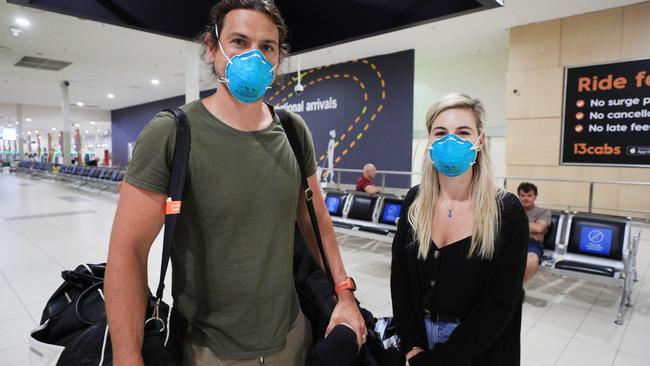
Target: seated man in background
[[365, 183], [539, 220]]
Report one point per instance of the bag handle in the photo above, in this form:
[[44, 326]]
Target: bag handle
[[177, 176], [290, 129]]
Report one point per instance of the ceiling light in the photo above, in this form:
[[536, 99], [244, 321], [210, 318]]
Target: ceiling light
[[77, 125], [29, 132], [155, 81], [86, 131], [28, 119], [92, 122], [16, 31], [9, 125], [17, 123], [22, 21], [35, 131], [80, 104], [110, 96], [53, 128]]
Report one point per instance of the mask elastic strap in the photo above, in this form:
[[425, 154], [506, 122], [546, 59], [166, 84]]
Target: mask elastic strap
[[221, 79], [475, 145], [475, 148]]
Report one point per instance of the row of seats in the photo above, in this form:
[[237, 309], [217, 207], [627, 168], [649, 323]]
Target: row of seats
[[97, 177], [92, 172], [591, 247], [360, 212], [595, 248], [32, 166]]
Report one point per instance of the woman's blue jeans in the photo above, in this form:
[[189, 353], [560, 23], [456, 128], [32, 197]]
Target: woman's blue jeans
[[438, 332]]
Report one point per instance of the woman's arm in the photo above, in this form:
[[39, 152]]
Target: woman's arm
[[490, 316], [406, 308]]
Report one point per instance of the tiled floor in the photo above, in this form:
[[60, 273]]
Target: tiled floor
[[46, 227]]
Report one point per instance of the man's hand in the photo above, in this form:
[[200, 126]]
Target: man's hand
[[347, 311]]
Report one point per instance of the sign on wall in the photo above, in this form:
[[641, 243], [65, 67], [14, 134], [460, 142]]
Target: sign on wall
[[358, 112], [606, 117]]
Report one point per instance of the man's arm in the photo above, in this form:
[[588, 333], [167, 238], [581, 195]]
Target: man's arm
[[346, 310], [139, 217], [370, 189], [538, 227]]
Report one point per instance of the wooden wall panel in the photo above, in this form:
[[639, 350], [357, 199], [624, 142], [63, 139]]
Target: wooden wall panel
[[535, 46], [533, 141], [636, 31], [592, 38], [538, 93], [533, 138]]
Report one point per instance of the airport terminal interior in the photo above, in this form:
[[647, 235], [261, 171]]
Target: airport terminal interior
[[565, 85]]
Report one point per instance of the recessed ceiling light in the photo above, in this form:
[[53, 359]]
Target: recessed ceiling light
[[23, 21], [77, 125], [17, 123], [9, 125], [80, 104], [35, 131], [16, 31], [29, 132], [92, 122], [53, 128], [155, 81], [86, 131], [110, 96], [28, 119]]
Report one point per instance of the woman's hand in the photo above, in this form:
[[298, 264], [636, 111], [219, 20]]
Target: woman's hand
[[412, 353]]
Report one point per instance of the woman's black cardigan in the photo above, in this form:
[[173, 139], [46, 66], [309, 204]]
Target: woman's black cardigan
[[484, 294]]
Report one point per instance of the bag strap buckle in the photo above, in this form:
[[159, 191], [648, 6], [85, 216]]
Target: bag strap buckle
[[309, 194], [156, 317]]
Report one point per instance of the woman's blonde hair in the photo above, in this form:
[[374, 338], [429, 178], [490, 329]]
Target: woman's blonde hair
[[485, 195]]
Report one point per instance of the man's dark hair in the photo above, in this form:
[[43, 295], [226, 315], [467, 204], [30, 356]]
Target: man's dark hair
[[527, 187], [223, 7]]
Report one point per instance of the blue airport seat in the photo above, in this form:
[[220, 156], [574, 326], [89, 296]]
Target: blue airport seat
[[597, 243], [335, 200], [599, 249], [364, 215], [361, 206]]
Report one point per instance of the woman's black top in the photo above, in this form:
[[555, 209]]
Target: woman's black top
[[484, 294]]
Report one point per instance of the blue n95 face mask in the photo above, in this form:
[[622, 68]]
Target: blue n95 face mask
[[452, 156], [248, 75]]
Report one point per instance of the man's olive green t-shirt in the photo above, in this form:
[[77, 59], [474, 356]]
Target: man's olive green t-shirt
[[232, 255]]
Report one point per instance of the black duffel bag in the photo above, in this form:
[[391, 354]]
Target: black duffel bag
[[74, 330], [317, 302], [315, 288]]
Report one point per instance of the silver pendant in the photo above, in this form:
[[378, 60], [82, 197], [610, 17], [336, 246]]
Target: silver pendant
[[449, 214]]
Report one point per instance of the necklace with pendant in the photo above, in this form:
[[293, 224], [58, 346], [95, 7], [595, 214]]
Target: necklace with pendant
[[450, 211]]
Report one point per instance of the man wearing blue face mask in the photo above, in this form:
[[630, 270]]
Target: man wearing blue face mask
[[232, 256]]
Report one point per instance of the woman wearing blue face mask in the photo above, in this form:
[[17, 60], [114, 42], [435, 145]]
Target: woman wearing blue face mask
[[459, 253]]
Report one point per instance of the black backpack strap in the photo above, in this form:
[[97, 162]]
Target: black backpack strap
[[177, 177], [292, 135]]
